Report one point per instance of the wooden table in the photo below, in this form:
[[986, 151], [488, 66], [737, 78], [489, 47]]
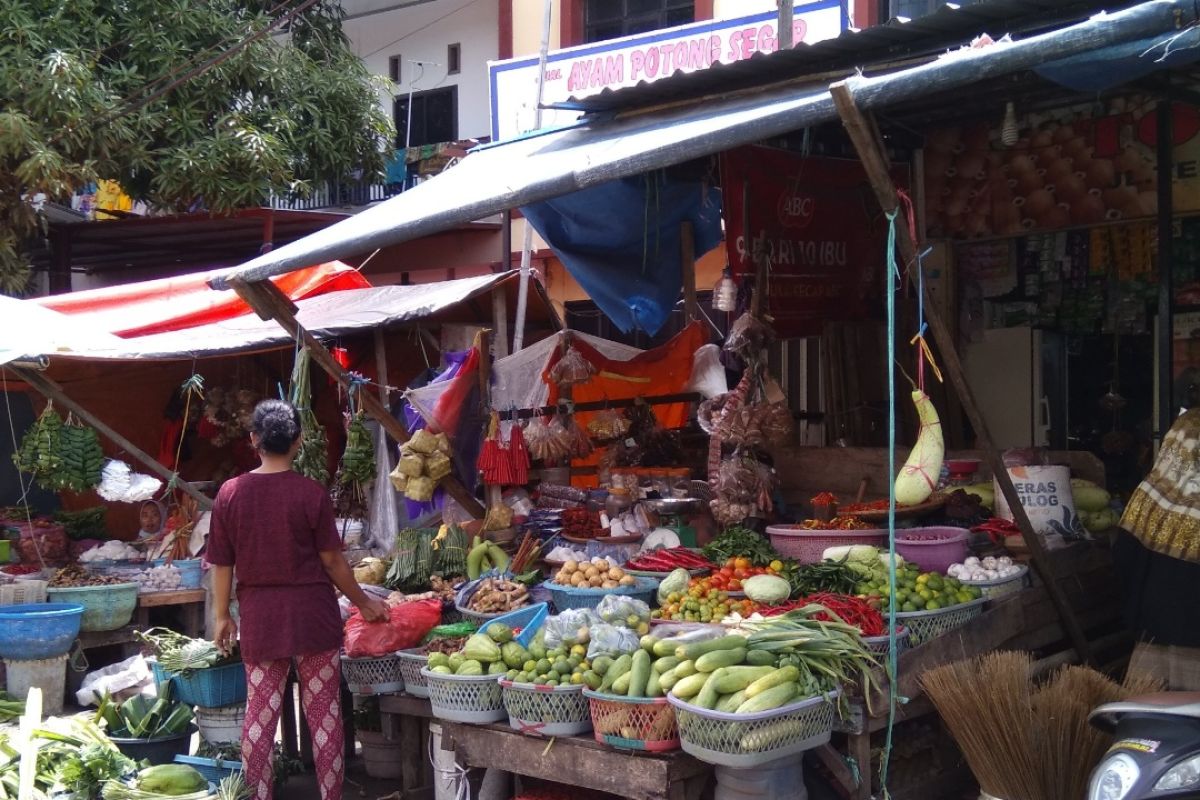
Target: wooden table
[[192, 602], [406, 718], [579, 761]]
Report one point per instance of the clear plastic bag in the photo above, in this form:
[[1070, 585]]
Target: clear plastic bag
[[623, 611], [570, 628], [572, 368], [611, 640]]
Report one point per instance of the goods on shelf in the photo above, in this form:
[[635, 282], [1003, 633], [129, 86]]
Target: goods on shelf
[[87, 523], [141, 717], [579, 523], [163, 578], [734, 573], [110, 551], [60, 455], [485, 556], [741, 542], [74, 576], [599, 573], [669, 559], [917, 590], [986, 569], [356, 471], [487, 652], [851, 610], [696, 606], [312, 460], [920, 473], [497, 596]]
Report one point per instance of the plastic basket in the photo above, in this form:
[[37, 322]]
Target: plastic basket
[[47, 674], [879, 644], [527, 620], [23, 593], [948, 546], [742, 741], [215, 687], [546, 710], [808, 547], [925, 625], [475, 699], [369, 676], [1001, 587], [38, 630], [105, 608], [156, 751], [659, 576], [221, 725], [567, 597], [190, 572], [411, 663], [214, 770], [633, 723]]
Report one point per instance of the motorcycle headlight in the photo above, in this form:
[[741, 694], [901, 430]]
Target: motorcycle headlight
[[1184, 774], [1114, 778]]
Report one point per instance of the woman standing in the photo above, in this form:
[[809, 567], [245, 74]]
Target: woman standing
[[275, 528], [1157, 555]]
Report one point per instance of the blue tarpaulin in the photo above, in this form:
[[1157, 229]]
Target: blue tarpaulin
[[621, 241], [1121, 63]]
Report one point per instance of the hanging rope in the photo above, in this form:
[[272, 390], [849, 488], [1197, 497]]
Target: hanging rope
[[924, 353], [889, 291], [37, 545]]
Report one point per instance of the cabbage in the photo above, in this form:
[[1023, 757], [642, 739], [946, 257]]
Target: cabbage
[[675, 582], [769, 590]]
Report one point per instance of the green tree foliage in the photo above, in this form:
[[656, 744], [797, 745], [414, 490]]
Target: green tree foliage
[[185, 103]]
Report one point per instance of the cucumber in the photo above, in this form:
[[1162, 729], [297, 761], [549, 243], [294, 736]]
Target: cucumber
[[654, 685], [601, 664], [663, 664], [685, 668], [786, 674], [735, 679], [664, 647], [775, 697], [647, 642], [667, 680], [694, 651], [639, 673], [729, 703], [768, 736], [621, 684], [690, 686], [616, 670], [711, 662], [707, 697], [761, 658]]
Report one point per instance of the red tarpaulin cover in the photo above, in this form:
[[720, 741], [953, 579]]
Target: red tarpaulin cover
[[172, 304]]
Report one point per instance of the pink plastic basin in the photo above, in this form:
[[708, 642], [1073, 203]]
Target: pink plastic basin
[[933, 549]]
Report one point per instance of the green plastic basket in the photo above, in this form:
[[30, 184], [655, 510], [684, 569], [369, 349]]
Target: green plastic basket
[[105, 608]]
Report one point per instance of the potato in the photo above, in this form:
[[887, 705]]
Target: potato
[[577, 579], [615, 574], [562, 577], [595, 581], [609, 584], [571, 565], [592, 572], [627, 580], [602, 564]]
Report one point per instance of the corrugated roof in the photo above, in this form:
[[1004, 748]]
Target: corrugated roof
[[897, 40]]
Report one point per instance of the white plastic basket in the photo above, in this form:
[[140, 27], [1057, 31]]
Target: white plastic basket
[[1000, 587], [370, 676], [221, 725], [47, 674], [411, 663], [925, 625], [474, 699], [879, 644], [536, 710], [743, 741]]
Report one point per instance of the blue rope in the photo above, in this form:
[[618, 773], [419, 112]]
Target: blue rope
[[890, 292]]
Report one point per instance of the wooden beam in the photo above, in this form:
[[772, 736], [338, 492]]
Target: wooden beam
[[52, 391], [381, 365], [270, 303], [873, 161], [500, 321], [687, 262]]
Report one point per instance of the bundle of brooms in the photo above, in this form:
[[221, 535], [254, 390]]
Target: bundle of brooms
[[1024, 739]]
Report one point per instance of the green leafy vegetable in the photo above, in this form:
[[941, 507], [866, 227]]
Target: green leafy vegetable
[[743, 542]]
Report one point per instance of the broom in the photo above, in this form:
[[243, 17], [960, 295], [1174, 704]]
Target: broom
[[985, 703]]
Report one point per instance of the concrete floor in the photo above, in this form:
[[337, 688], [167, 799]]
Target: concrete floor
[[358, 785]]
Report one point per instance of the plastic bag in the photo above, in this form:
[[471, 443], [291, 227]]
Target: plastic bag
[[610, 640], [406, 627], [572, 368], [571, 627], [121, 680], [623, 611]]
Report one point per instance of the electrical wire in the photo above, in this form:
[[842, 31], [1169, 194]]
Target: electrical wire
[[37, 545], [424, 27]]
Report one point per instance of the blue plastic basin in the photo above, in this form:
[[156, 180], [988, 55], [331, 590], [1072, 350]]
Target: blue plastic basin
[[38, 630]]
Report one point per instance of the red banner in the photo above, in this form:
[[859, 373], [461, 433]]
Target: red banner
[[818, 223]]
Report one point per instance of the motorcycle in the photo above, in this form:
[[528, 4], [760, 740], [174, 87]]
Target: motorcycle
[[1156, 749]]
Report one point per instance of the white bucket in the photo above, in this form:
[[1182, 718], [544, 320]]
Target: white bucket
[[779, 780], [221, 725], [1045, 492], [47, 674]]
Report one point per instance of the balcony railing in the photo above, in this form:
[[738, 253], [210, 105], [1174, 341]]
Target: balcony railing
[[913, 9], [343, 194]]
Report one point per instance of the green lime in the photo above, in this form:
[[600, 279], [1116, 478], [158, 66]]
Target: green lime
[[543, 666], [908, 607], [932, 605], [529, 666]]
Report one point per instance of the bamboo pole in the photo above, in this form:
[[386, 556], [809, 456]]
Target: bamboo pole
[[687, 263], [52, 391], [874, 163], [270, 303]]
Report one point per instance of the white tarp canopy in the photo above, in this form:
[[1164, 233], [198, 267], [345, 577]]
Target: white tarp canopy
[[31, 331]]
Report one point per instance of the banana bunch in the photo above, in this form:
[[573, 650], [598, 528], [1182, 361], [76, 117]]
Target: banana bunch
[[82, 458], [312, 460], [39, 453]]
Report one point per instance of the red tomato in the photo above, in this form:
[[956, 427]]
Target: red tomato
[[740, 573], [735, 585], [727, 571], [742, 563]]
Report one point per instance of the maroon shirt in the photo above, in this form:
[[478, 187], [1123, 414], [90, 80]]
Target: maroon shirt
[[271, 528]]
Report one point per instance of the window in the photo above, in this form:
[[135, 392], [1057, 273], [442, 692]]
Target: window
[[453, 59], [394, 68], [610, 19], [434, 117]]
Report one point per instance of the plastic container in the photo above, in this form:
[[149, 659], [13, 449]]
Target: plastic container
[[933, 549], [1000, 587], [730, 740], [371, 676], [190, 572], [38, 630], [546, 710], [633, 723], [524, 622], [47, 674], [411, 663], [618, 502], [381, 756], [808, 547], [779, 780], [214, 770], [105, 608], [925, 625], [156, 751], [565, 597], [221, 725], [215, 687], [474, 699]]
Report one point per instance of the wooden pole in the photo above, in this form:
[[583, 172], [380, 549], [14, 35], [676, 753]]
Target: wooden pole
[[500, 321], [381, 367], [52, 391], [687, 263], [784, 28], [270, 303], [875, 165]]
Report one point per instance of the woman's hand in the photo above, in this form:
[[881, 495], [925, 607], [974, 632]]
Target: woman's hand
[[374, 610], [225, 634]]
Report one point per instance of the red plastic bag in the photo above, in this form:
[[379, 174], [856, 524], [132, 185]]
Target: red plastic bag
[[407, 627]]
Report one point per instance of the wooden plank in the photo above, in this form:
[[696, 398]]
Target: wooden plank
[[875, 166], [91, 639], [411, 754], [575, 761], [405, 704], [844, 782], [52, 391], [177, 598], [270, 303], [687, 251]]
